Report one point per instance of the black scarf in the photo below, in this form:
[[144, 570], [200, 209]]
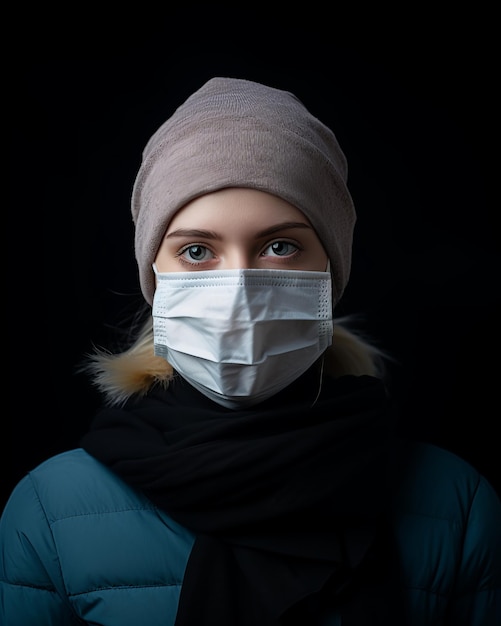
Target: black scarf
[[285, 498]]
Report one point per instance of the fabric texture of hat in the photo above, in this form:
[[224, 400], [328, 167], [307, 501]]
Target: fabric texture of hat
[[238, 133]]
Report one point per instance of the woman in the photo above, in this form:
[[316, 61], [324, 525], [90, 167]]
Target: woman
[[244, 469]]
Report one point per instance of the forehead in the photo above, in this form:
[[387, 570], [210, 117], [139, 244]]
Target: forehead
[[236, 205]]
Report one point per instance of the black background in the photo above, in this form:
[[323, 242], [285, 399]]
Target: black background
[[412, 102]]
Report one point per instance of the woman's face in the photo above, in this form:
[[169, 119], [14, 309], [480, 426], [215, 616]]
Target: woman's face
[[239, 228]]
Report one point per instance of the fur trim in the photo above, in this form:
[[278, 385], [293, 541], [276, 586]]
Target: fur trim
[[135, 371]]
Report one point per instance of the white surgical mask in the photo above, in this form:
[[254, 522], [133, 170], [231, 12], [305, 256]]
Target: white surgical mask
[[240, 336]]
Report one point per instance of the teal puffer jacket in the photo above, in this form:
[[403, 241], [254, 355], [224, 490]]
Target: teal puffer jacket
[[78, 546]]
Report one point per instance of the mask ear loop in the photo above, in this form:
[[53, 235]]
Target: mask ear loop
[[327, 269], [319, 382]]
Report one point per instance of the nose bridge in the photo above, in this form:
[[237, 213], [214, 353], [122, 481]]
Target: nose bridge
[[237, 258]]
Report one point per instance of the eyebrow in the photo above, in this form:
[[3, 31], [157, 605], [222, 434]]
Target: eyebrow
[[209, 234]]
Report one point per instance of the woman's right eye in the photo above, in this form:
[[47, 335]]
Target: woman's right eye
[[194, 253]]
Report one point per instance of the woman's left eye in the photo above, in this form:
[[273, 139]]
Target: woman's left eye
[[280, 248]]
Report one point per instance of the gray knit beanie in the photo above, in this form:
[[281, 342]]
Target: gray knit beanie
[[238, 133]]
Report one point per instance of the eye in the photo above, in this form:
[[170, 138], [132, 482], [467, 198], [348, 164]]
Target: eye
[[280, 248], [194, 253]]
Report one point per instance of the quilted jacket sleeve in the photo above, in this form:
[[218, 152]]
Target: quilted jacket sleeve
[[31, 586], [477, 598]]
